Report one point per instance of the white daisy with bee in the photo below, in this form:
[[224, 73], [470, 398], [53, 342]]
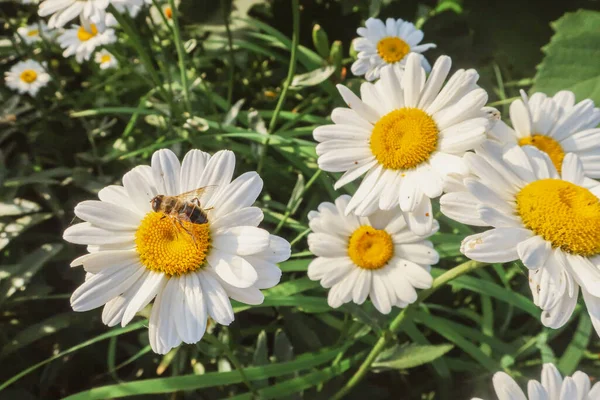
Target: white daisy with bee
[[552, 386], [82, 40], [182, 234], [33, 33], [549, 221], [404, 134], [387, 43], [556, 125], [27, 76], [376, 256]]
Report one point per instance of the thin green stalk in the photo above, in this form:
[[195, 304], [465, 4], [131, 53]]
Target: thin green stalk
[[226, 11], [288, 212], [288, 80], [234, 360], [180, 56], [388, 335]]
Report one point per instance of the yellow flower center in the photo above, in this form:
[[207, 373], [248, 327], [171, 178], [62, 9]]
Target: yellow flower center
[[33, 32], [85, 35], [370, 248], [548, 146], [171, 246], [168, 12], [564, 214], [29, 76], [105, 58], [404, 138], [392, 49]]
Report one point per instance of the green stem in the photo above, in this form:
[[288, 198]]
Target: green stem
[[226, 11], [288, 212], [288, 80], [180, 55], [388, 335]]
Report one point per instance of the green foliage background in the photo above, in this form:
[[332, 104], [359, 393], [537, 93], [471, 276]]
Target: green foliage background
[[89, 127]]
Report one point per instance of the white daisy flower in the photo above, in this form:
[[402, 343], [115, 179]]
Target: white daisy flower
[[553, 386], [166, 9], [375, 256], [405, 134], [131, 7], [27, 77], [189, 269], [555, 125], [105, 59], [63, 11], [387, 43], [551, 223], [82, 40], [33, 33]]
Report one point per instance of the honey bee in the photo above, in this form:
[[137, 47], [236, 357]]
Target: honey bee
[[184, 207]]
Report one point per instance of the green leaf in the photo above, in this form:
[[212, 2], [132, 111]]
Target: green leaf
[[571, 57], [410, 356], [261, 357], [194, 382], [574, 352]]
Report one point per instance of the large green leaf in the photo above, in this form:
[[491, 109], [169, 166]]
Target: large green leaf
[[571, 60], [411, 356]]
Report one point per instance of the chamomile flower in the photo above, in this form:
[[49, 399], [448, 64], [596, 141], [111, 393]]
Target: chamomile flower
[[27, 77], [105, 59], [82, 40], [387, 43], [165, 9], [33, 33], [555, 125], [63, 11], [553, 386], [550, 222], [405, 135], [190, 269], [375, 256]]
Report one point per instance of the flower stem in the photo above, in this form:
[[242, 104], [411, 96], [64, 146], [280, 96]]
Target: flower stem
[[388, 335], [180, 55], [287, 83]]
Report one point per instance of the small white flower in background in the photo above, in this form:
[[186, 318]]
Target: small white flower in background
[[550, 222], [63, 11], [166, 11], [105, 59], [406, 133], [131, 7], [190, 269], [27, 77], [552, 387], [82, 40], [375, 256], [555, 125], [34, 32], [387, 43]]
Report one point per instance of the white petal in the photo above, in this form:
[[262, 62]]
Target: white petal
[[250, 216], [568, 390], [360, 291], [506, 388], [572, 169], [534, 252], [217, 302], [412, 80], [106, 215], [218, 170], [241, 240], [521, 120], [379, 295], [165, 169], [461, 207], [233, 269], [192, 167], [153, 283], [519, 162], [420, 253], [495, 245], [434, 83], [420, 220], [356, 104], [551, 379], [190, 312], [96, 262], [240, 193], [498, 219], [86, 233]]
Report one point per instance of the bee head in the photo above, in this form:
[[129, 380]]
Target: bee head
[[156, 202]]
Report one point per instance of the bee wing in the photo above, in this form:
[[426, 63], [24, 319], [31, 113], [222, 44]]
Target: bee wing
[[196, 193]]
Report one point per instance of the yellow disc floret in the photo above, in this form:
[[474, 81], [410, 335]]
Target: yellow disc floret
[[33, 32], [29, 76], [105, 58], [392, 49], [85, 35], [370, 248], [548, 146], [404, 138], [171, 246], [564, 214]]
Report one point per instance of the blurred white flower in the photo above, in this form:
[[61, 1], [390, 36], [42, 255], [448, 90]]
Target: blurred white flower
[[165, 9], [190, 269], [105, 59], [63, 11], [375, 256], [27, 77], [387, 43], [34, 32], [405, 134], [131, 7], [552, 387], [82, 40]]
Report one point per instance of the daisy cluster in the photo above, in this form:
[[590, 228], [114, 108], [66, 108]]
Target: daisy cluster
[[414, 134]]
